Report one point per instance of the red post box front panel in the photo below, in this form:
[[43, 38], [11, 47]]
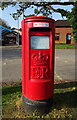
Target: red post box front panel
[[40, 64], [37, 83]]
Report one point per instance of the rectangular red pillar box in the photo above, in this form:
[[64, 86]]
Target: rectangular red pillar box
[[38, 58]]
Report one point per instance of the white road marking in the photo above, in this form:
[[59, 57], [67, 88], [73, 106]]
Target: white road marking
[[58, 76], [57, 57], [66, 61], [4, 63]]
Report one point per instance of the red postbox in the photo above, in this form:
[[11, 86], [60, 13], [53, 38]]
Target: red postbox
[[37, 62]]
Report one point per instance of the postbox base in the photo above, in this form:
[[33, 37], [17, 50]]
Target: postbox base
[[37, 106]]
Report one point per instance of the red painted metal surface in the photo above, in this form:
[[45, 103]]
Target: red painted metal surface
[[37, 64]]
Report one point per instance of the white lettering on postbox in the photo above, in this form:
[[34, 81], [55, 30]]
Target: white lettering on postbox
[[40, 24]]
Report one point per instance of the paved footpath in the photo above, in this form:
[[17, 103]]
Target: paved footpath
[[11, 65]]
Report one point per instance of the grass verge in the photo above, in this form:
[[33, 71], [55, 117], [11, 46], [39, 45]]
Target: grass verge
[[64, 102], [65, 46], [57, 46]]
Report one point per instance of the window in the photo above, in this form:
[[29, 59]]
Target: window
[[39, 42], [57, 36], [69, 36]]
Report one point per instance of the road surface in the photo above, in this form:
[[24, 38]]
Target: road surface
[[11, 65]]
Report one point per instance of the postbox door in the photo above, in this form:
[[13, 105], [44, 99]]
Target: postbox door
[[40, 57]]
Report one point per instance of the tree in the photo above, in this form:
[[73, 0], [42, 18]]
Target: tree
[[73, 20], [46, 9], [4, 23]]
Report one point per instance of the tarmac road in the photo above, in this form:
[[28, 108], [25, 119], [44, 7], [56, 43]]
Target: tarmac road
[[65, 67], [11, 65]]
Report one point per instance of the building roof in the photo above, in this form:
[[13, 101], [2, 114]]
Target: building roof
[[17, 30], [4, 29], [63, 23]]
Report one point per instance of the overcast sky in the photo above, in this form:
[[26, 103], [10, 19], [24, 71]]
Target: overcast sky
[[5, 14]]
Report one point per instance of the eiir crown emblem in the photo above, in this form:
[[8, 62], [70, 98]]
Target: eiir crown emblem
[[40, 59]]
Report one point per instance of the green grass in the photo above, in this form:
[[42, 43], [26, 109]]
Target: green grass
[[64, 102], [57, 46], [65, 46]]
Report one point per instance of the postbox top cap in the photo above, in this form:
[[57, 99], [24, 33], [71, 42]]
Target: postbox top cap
[[38, 18]]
